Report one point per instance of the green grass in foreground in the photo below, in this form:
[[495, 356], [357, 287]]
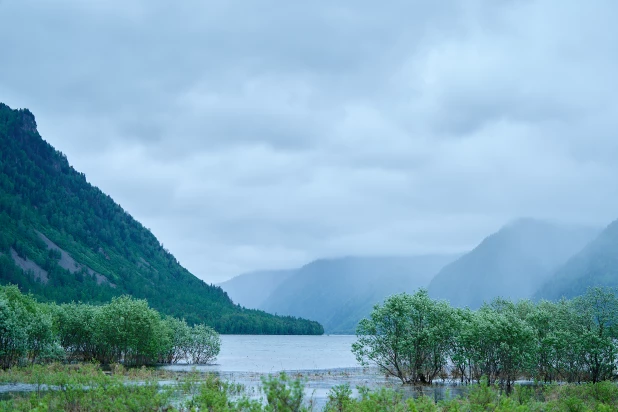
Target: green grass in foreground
[[88, 388]]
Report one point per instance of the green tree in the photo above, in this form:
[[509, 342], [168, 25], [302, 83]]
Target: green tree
[[599, 331], [499, 343], [180, 336], [77, 327], [26, 332], [204, 345], [131, 331], [408, 337], [13, 337], [462, 350], [544, 321]]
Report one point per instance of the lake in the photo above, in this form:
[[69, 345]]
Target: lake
[[320, 361], [269, 354]]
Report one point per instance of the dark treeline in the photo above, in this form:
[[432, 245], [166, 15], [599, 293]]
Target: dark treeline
[[125, 330], [418, 340], [99, 251]]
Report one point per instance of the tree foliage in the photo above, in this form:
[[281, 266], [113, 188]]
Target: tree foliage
[[126, 330], [417, 339], [26, 333], [408, 337]]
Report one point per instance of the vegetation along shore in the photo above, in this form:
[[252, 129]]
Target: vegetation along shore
[[87, 357]]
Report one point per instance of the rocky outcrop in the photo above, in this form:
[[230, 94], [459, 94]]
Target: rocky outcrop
[[29, 266], [67, 262]]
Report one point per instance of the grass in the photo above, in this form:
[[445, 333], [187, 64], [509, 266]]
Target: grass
[[86, 387]]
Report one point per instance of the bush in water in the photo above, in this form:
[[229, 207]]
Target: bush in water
[[417, 339], [204, 344]]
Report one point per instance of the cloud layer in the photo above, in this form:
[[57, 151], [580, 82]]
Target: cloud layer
[[252, 135]]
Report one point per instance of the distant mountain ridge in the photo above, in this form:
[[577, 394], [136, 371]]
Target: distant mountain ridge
[[338, 292], [595, 265], [64, 240], [511, 263], [252, 289]]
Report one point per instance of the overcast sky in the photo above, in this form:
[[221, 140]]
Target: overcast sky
[[262, 134]]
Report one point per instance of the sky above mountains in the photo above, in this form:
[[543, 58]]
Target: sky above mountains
[[263, 134]]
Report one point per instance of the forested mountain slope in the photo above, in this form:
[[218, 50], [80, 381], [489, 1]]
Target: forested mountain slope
[[340, 292], [63, 239], [595, 265], [511, 263]]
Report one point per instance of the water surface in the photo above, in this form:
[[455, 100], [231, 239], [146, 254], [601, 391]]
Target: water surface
[[321, 362], [269, 354]]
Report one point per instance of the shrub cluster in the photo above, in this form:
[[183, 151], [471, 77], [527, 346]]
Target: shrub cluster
[[125, 331], [417, 339], [598, 397]]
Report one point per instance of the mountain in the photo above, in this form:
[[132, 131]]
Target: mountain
[[339, 292], [511, 263], [595, 265], [64, 240], [252, 289]]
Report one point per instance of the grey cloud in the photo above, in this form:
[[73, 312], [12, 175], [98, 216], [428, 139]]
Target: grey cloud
[[254, 135]]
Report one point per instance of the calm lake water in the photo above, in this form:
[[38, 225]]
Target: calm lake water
[[269, 354]]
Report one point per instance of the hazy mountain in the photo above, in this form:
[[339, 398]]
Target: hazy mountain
[[64, 240], [251, 289], [511, 263], [339, 292], [595, 265]]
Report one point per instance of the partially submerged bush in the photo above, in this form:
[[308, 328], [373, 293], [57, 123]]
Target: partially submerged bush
[[417, 339], [204, 344]]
